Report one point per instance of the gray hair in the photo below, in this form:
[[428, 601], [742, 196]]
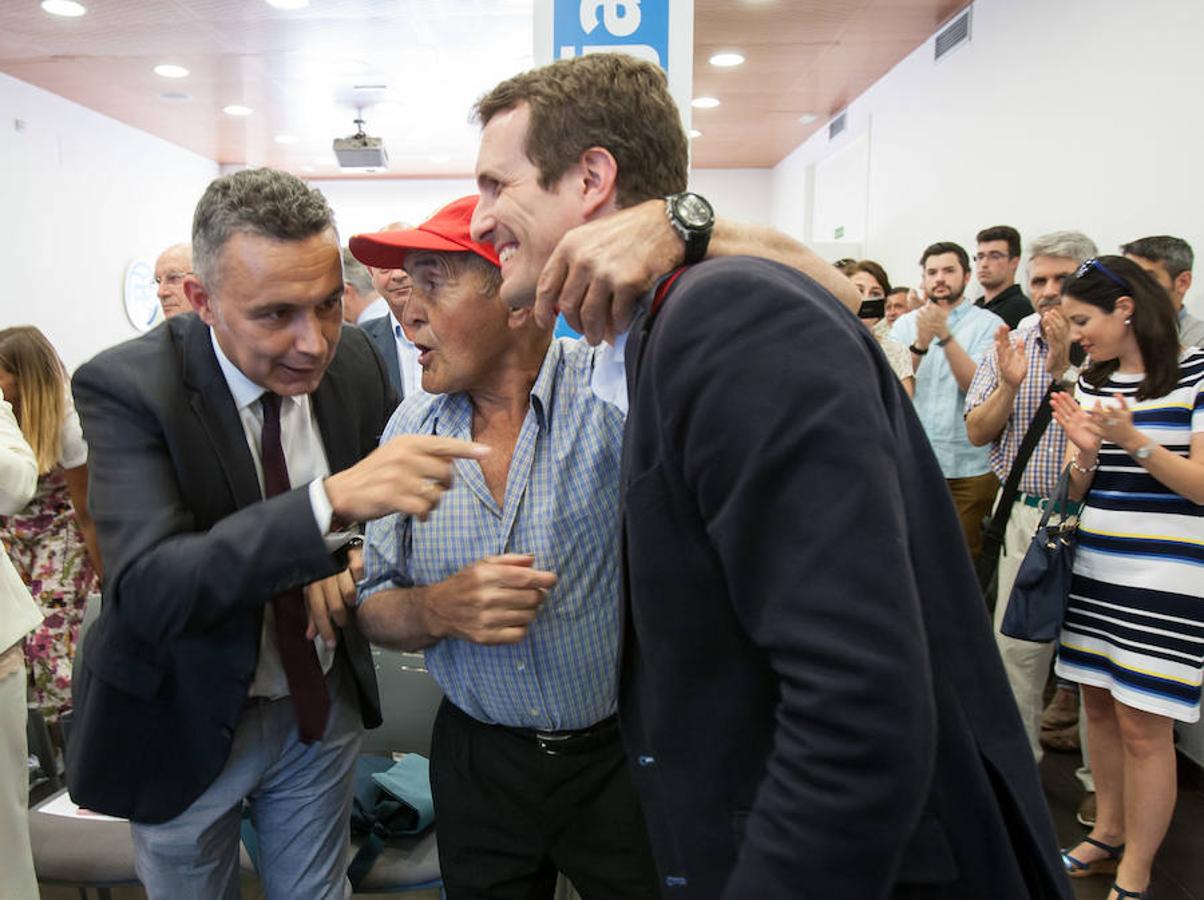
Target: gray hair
[[263, 202], [356, 274], [454, 264], [1174, 253], [1063, 245]]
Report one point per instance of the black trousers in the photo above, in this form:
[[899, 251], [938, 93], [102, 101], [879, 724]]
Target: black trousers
[[510, 816]]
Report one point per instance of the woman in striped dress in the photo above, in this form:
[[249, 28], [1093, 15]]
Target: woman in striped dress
[[1133, 636]]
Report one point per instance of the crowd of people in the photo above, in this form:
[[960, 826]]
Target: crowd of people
[[667, 669]]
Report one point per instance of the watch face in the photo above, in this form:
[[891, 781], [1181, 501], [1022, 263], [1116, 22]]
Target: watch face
[[693, 211]]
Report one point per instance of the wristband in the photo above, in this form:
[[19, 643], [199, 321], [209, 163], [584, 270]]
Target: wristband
[[917, 351]]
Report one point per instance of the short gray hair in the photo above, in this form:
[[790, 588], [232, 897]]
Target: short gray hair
[[356, 274], [1174, 253], [455, 264], [263, 202], [1063, 245]]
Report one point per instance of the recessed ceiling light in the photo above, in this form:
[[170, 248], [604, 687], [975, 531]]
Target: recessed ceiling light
[[289, 4], [727, 60], [167, 70], [175, 96], [64, 7], [808, 118], [235, 109], [704, 102], [695, 133], [286, 139]]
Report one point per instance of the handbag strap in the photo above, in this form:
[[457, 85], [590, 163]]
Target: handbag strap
[[1011, 487], [1060, 499]]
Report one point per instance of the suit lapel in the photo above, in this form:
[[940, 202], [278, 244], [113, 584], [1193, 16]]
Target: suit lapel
[[211, 402], [332, 408]]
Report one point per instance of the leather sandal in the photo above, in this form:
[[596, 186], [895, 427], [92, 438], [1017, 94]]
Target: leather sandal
[[1076, 868], [1121, 893]]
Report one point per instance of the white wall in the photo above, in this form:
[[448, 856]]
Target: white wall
[[82, 196], [366, 205], [1077, 114]]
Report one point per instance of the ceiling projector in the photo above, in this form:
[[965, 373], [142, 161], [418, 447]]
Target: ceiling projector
[[360, 151]]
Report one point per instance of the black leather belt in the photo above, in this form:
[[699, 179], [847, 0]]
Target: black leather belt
[[563, 743]]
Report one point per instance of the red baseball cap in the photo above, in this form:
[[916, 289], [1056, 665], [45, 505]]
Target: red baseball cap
[[447, 231]]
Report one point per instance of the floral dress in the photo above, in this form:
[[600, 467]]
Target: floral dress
[[47, 548]]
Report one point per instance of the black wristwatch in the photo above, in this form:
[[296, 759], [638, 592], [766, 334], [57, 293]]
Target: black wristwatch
[[694, 219]]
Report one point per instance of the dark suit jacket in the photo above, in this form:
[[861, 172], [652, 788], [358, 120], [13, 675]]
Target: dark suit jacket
[[380, 330], [810, 693], [192, 554]]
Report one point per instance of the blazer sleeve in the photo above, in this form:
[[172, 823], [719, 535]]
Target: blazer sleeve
[[775, 403], [166, 573], [18, 468]]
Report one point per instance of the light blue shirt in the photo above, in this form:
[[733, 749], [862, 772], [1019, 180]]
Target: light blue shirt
[[561, 504], [939, 401]]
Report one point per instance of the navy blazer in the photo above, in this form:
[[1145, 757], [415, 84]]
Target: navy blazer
[[380, 330], [192, 554], [810, 692]]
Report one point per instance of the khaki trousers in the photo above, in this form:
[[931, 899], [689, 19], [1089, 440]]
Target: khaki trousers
[[973, 498]]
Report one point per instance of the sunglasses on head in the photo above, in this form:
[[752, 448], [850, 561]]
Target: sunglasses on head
[[1098, 266]]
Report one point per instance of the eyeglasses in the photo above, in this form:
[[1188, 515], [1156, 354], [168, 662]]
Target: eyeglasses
[[993, 256], [1094, 263], [172, 278]]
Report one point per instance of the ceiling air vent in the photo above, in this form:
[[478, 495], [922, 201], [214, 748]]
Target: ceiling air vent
[[837, 125], [954, 35]]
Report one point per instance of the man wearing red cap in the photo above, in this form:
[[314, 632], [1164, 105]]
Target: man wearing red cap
[[513, 592]]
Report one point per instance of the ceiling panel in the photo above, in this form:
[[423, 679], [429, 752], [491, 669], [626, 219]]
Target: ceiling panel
[[416, 66]]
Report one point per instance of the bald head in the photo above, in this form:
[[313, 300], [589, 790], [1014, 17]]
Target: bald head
[[170, 268]]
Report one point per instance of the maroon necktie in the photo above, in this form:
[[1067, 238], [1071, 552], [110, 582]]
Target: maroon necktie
[[306, 684]]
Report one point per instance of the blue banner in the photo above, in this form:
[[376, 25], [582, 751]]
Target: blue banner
[[600, 26]]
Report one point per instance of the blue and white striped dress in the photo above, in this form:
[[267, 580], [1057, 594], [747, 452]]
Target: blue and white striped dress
[[1135, 621]]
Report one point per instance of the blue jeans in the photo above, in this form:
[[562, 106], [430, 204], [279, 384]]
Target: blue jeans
[[300, 797]]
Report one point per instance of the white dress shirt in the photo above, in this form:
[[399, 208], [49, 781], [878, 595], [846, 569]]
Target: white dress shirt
[[305, 457], [407, 361]]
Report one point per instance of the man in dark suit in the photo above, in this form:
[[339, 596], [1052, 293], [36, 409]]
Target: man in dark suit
[[381, 332], [810, 696], [225, 664]]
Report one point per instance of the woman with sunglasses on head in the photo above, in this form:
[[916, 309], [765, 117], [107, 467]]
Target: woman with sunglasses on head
[[1133, 634]]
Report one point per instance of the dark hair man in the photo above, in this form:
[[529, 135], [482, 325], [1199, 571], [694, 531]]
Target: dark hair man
[[229, 451], [740, 491], [949, 338], [996, 261], [1169, 260]]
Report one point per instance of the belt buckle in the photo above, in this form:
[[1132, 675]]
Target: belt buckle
[[548, 742]]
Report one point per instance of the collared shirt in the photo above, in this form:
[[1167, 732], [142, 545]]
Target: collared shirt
[[305, 458], [1045, 465], [560, 504], [407, 360], [374, 310], [1191, 329], [938, 399], [1010, 304]]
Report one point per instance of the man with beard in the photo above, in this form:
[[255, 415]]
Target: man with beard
[[997, 259], [948, 338]]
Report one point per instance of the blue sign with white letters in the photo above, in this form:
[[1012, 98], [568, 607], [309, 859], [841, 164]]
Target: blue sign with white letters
[[606, 26]]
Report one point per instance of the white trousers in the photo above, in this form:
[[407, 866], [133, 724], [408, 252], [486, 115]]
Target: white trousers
[[17, 880]]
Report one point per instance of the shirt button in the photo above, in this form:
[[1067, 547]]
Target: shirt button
[[534, 710], [522, 667], [646, 760]]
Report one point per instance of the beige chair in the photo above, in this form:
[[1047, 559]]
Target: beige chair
[[79, 852]]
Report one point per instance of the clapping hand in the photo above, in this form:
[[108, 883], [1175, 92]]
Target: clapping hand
[[931, 322], [1115, 424], [1010, 358], [1080, 425]]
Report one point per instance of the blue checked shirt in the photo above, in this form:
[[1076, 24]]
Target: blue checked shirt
[[938, 400], [561, 504], [1045, 465]]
